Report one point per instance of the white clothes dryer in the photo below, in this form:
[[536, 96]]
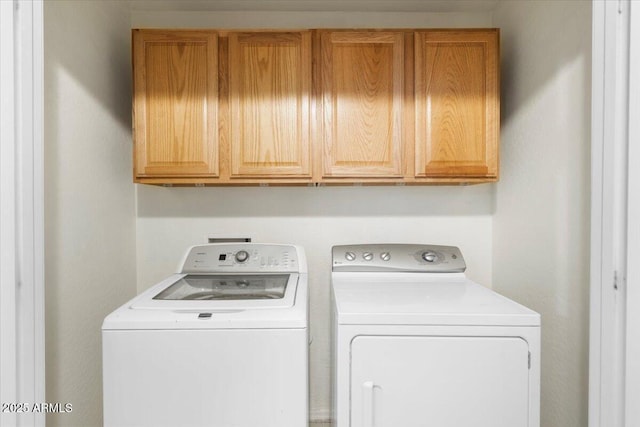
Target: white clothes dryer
[[224, 342], [417, 344]]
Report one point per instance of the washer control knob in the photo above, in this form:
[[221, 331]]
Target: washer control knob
[[385, 256], [350, 256], [368, 256], [429, 256], [242, 256]]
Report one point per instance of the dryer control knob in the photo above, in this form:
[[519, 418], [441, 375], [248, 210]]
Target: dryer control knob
[[350, 256], [429, 256], [242, 256], [385, 256], [368, 256]]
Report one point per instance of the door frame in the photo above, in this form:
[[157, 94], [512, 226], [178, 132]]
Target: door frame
[[632, 386], [22, 332], [614, 369], [8, 273]]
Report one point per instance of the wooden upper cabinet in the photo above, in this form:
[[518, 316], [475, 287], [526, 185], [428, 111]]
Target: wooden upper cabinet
[[362, 84], [269, 99], [319, 106], [457, 103], [175, 103]]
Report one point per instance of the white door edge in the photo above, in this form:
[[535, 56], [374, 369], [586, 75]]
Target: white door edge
[[632, 387], [22, 351], [8, 270], [611, 186]]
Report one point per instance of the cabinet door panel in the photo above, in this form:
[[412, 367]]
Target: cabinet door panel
[[362, 88], [175, 103], [270, 85], [421, 381], [457, 105]]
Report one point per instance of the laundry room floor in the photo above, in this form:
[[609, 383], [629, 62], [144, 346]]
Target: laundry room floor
[[318, 424]]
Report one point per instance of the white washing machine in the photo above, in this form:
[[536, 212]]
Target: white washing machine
[[417, 344], [224, 343]]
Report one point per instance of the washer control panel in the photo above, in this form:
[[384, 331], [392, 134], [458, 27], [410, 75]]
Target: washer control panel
[[241, 257], [398, 257]]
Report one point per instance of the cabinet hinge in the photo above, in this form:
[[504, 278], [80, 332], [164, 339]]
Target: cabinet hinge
[[615, 280], [529, 360]]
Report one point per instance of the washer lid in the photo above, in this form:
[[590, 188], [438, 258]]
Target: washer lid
[[423, 299], [255, 306], [220, 291], [211, 287]]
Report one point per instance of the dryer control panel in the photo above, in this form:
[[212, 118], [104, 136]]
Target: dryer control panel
[[241, 257], [396, 257]]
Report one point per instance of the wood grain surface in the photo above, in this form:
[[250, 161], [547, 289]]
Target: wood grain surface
[[269, 96], [175, 103], [315, 107], [362, 91], [457, 104]]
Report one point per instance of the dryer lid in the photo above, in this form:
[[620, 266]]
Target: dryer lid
[[423, 299]]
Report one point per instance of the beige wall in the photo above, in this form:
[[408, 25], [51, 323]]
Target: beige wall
[[541, 223], [89, 197]]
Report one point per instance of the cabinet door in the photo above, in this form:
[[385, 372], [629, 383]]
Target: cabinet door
[[457, 103], [362, 103], [269, 96], [422, 381], [175, 103]]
